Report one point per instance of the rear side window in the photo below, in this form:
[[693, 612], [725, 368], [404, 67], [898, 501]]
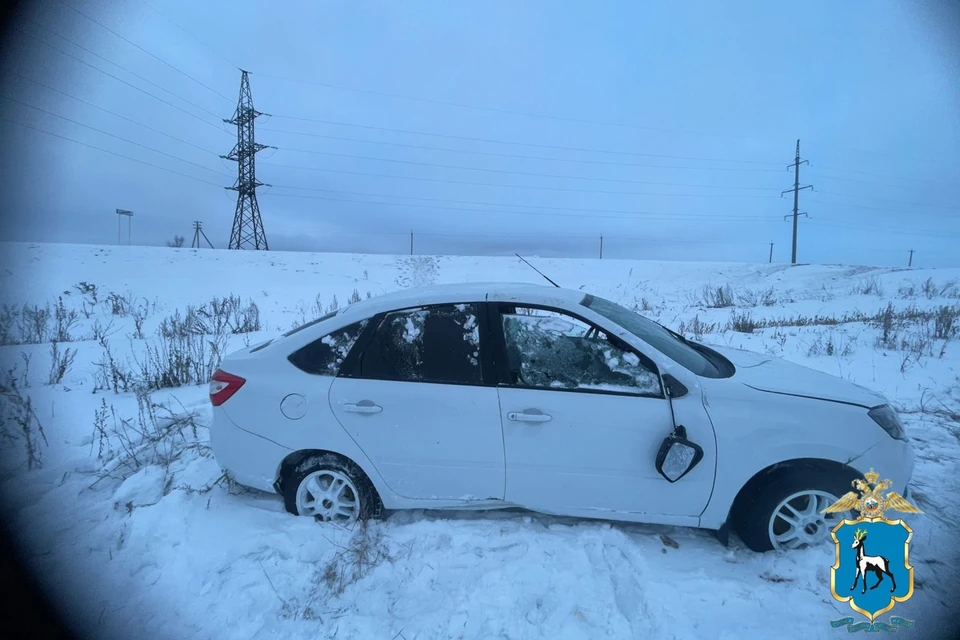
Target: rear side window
[[323, 357], [433, 344]]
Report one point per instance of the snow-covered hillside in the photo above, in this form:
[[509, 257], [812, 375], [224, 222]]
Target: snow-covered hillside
[[128, 519]]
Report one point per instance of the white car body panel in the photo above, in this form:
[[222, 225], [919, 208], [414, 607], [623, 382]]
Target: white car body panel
[[428, 441], [767, 373], [759, 429], [252, 460], [439, 446], [596, 452]]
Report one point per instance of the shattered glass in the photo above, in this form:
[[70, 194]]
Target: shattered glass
[[436, 344], [340, 343], [553, 351]]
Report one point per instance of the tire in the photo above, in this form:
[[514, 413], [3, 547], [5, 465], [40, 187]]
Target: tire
[[331, 489], [759, 523]]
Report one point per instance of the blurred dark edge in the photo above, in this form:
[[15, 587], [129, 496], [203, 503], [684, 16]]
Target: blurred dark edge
[[25, 611]]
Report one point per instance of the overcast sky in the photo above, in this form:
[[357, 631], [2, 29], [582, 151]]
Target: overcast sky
[[494, 126]]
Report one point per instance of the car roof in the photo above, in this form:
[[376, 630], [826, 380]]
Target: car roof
[[465, 292]]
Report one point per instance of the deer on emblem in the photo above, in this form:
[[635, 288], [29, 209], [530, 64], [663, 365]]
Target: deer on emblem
[[878, 565]]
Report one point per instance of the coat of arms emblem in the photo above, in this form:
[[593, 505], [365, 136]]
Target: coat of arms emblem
[[873, 555]]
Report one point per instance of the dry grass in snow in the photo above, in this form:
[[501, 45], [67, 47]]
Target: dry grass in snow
[[107, 476]]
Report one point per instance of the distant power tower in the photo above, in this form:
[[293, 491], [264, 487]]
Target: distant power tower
[[247, 232], [796, 199], [197, 233]]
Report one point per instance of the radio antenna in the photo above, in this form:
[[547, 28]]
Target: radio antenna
[[538, 271]]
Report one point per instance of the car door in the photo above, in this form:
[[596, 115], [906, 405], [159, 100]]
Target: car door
[[415, 399], [584, 416]]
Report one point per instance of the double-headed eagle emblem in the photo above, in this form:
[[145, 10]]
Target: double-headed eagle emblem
[[871, 502]]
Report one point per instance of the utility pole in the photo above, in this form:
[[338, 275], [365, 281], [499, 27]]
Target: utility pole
[[120, 214], [197, 232], [247, 232], [411, 243], [910, 263], [796, 198], [601, 246], [771, 254]]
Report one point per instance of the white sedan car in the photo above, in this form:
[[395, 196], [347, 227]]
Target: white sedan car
[[482, 396]]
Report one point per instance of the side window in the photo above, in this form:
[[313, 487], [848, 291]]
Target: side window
[[323, 357], [552, 350], [431, 344]]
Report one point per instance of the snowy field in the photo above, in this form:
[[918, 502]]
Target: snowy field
[[122, 510]]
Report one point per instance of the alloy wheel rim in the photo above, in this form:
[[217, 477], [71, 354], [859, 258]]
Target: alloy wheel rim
[[328, 496], [797, 522]]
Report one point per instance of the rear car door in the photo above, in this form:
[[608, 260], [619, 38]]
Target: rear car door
[[584, 415], [414, 396]]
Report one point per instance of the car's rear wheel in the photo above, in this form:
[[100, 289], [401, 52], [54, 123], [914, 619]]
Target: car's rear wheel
[[331, 489], [787, 512]]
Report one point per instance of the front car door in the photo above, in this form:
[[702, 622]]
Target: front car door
[[415, 397], [584, 415]]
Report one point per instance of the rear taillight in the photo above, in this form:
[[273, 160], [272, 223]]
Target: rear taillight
[[222, 386]]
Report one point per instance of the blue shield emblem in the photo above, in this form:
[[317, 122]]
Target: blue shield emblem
[[872, 570]]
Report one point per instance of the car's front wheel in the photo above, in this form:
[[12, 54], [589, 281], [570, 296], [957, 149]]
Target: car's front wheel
[[787, 513], [331, 489]]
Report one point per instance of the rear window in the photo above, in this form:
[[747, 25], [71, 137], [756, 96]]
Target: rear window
[[310, 324]]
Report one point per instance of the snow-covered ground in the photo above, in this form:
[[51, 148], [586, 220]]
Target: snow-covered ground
[[140, 536]]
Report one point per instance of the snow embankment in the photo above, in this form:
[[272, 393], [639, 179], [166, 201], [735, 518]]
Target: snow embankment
[[129, 521]]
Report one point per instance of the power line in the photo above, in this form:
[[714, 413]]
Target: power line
[[498, 155], [143, 91], [917, 232], [514, 143], [149, 164], [591, 210], [113, 153], [885, 177], [72, 97], [109, 61], [881, 154], [887, 200], [208, 47], [524, 173], [515, 186], [860, 206], [875, 183], [526, 114], [639, 216], [538, 237], [134, 44], [164, 153]]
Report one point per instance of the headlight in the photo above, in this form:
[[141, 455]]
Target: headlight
[[887, 418]]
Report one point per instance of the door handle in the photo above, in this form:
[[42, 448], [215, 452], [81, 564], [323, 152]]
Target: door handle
[[364, 406], [529, 415]]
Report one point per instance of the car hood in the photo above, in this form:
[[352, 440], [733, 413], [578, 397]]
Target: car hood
[[774, 375]]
